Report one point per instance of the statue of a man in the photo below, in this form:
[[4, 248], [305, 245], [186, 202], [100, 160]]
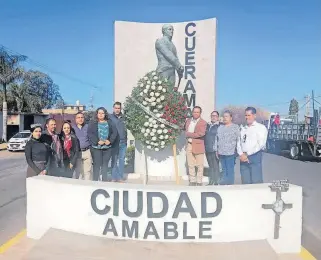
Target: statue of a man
[[167, 55]]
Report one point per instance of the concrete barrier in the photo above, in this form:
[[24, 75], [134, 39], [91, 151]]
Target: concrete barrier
[[163, 213]]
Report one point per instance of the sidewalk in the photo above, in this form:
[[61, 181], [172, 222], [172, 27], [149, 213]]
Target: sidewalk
[[3, 146]]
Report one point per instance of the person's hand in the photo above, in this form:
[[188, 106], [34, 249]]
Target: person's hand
[[243, 158], [107, 142], [101, 142], [44, 172], [70, 166], [217, 155]]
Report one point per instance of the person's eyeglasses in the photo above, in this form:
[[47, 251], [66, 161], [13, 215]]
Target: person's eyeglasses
[[214, 115]]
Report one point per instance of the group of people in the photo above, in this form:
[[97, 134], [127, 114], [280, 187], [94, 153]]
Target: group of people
[[221, 143], [80, 150], [84, 151]]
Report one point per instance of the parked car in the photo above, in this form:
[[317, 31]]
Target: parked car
[[18, 141]]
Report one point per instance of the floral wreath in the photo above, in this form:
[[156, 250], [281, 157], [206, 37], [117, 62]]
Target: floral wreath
[[155, 113]]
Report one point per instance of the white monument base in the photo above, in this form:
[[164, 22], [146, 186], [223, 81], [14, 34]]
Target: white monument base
[[160, 165], [164, 213]]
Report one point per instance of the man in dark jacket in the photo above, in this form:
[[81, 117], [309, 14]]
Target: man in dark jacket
[[212, 159], [118, 160], [51, 139]]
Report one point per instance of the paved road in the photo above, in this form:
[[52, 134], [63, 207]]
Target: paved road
[[306, 174]]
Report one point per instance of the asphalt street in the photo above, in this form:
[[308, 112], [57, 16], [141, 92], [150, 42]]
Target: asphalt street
[[304, 173]]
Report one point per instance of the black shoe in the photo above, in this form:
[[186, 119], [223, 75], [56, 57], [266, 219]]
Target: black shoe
[[210, 183], [199, 184], [192, 184]]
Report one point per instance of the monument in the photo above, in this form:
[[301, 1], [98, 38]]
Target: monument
[[184, 55]]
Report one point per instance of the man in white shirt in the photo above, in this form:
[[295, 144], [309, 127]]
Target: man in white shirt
[[250, 145]]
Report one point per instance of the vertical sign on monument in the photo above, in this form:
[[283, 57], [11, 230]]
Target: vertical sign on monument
[[135, 55]]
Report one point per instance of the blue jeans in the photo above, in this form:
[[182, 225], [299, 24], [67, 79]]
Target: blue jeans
[[251, 172], [228, 163], [119, 165]]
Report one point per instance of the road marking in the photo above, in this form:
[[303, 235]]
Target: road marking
[[13, 241], [306, 255]]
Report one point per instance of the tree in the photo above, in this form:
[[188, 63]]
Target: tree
[[294, 107], [238, 113], [42, 91], [21, 97], [9, 72]]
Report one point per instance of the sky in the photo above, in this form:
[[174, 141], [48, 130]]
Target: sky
[[268, 52]]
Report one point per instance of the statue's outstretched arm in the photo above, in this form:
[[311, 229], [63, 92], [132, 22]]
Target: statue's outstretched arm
[[170, 57]]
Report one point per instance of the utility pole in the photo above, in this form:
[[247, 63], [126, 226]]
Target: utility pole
[[307, 105]]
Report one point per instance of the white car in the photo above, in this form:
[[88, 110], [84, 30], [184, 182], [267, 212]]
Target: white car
[[18, 141]]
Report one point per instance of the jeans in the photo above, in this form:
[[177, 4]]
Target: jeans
[[228, 163], [251, 172], [101, 158], [119, 162], [214, 171]]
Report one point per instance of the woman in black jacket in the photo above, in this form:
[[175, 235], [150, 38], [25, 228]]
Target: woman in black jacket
[[211, 156], [102, 134], [71, 148], [37, 153]]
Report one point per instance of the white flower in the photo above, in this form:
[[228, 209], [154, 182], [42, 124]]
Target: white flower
[[159, 82], [152, 143], [144, 103], [141, 85], [155, 126], [148, 82], [162, 126], [164, 90], [156, 144], [145, 91], [153, 99], [166, 136], [155, 111], [143, 130], [159, 131], [154, 138], [156, 149], [145, 78], [153, 83], [153, 104], [141, 94], [162, 147], [147, 130], [158, 115], [147, 99], [160, 87], [154, 121], [147, 86], [145, 134], [153, 73], [154, 130], [147, 142], [162, 143], [153, 87], [161, 137], [150, 124], [146, 116], [150, 120], [151, 94], [149, 147], [159, 106], [152, 133], [157, 94], [165, 131], [146, 124], [162, 97], [158, 100], [155, 78]]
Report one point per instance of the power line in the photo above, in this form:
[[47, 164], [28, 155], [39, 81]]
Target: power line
[[43, 66]]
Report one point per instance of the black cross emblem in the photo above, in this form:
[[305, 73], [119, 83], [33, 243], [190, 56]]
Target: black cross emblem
[[279, 206]]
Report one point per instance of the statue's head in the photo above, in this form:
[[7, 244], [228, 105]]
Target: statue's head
[[168, 30]]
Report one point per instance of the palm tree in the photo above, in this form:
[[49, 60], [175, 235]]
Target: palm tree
[[9, 72]]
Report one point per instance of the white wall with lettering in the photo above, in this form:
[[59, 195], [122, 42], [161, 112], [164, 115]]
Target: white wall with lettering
[[163, 213]]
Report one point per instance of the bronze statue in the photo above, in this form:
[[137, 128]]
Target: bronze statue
[[167, 55]]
